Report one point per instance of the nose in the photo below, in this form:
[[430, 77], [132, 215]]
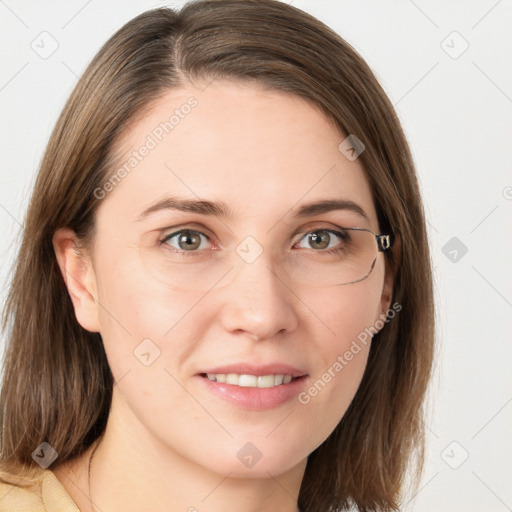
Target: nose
[[257, 302]]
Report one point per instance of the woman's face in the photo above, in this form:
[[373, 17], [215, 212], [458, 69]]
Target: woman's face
[[263, 154]]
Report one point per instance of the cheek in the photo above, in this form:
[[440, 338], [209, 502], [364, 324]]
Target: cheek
[[343, 351], [139, 315], [348, 312]]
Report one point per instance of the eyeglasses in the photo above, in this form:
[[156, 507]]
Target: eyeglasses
[[324, 257]]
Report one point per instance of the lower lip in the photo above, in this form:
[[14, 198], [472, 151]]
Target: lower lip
[[255, 399]]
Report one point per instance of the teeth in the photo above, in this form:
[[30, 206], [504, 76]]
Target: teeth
[[250, 381]]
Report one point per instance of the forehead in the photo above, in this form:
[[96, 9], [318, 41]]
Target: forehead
[[262, 152]]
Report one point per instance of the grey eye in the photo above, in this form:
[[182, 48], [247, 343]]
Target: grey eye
[[185, 240], [321, 239]]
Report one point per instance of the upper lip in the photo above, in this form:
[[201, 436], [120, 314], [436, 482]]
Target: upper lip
[[257, 370]]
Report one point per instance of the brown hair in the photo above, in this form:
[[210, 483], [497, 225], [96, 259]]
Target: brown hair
[[57, 385]]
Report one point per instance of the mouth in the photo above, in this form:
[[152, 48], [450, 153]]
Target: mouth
[[255, 388], [251, 381]]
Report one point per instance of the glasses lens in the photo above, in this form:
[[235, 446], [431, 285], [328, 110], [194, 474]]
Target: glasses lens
[[349, 257], [325, 258], [184, 265]]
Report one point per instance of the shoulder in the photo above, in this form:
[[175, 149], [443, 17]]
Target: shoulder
[[20, 497], [41, 493]]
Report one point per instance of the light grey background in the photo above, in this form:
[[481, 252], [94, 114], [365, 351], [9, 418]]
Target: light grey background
[[456, 108]]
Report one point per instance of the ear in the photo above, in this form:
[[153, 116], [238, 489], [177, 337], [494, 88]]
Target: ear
[[389, 279], [78, 273]]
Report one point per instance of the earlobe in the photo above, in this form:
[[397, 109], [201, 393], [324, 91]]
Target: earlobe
[[78, 274]]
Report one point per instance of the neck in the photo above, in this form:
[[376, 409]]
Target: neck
[[129, 472]]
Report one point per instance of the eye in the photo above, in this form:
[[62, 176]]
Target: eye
[[322, 239], [185, 240], [191, 241]]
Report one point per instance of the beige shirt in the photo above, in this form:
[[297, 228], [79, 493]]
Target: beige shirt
[[46, 495]]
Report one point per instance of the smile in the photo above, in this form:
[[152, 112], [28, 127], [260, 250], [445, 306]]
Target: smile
[[250, 381]]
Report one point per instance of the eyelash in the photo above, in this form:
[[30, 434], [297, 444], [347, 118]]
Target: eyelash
[[340, 234]]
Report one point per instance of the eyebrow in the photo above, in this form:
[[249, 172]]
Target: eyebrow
[[222, 210]]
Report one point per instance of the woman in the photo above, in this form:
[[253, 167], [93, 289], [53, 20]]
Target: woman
[[223, 296]]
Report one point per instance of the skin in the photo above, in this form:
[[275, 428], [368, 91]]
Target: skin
[[170, 444]]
